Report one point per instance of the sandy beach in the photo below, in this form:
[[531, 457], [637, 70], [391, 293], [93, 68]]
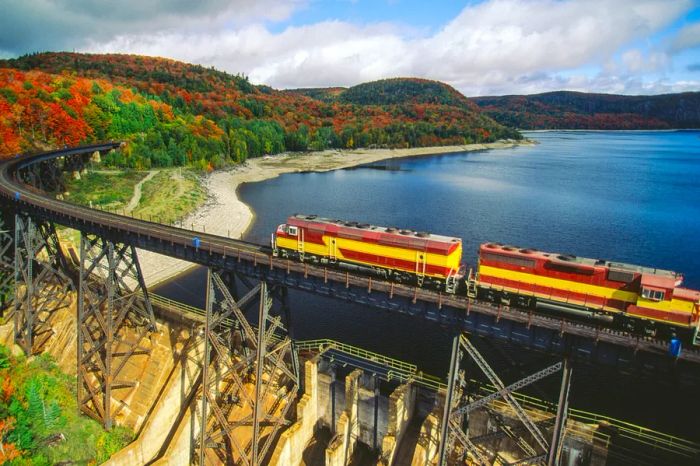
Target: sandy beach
[[224, 214]]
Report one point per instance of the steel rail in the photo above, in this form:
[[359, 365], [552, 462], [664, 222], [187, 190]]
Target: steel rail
[[24, 196]]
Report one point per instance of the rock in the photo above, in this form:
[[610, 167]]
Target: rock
[[96, 157], [76, 175]]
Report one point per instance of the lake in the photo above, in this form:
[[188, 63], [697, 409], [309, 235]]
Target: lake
[[623, 196]]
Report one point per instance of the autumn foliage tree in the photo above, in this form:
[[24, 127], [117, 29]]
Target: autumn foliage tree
[[175, 114], [8, 451]]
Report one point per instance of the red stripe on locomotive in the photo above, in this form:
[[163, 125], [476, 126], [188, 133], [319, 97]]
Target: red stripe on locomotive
[[383, 261]]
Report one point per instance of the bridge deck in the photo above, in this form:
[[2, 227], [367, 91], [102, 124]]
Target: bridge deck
[[544, 332]]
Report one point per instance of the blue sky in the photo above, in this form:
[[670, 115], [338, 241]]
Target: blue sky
[[483, 47], [419, 15]]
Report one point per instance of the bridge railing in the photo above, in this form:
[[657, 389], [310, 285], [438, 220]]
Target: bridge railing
[[641, 435], [176, 306], [398, 370]]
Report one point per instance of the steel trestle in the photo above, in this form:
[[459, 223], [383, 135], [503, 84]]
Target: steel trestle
[[249, 376], [115, 319], [454, 414], [41, 283], [7, 266]]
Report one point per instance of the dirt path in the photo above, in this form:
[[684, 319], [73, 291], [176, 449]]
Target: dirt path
[[136, 198]]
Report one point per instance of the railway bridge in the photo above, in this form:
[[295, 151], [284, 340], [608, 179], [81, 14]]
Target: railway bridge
[[112, 296]]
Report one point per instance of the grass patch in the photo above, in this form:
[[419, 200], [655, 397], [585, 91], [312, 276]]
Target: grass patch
[[38, 403], [170, 196], [104, 189]]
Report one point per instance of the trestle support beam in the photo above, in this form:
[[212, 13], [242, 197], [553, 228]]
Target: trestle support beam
[[455, 412], [249, 376], [42, 282], [115, 321], [7, 266]]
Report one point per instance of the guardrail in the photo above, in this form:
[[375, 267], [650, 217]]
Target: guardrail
[[642, 435], [172, 305], [400, 370]]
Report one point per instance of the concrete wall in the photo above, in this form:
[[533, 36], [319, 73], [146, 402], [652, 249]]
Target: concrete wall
[[369, 400], [294, 439], [400, 412], [169, 406], [426, 450], [347, 428], [179, 441], [326, 380]]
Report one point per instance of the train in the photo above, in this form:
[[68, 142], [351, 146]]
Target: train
[[634, 298]]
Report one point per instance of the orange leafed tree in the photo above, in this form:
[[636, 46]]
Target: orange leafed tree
[[7, 389], [8, 451]]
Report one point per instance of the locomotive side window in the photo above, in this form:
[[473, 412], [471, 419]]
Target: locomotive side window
[[519, 261], [620, 276], [292, 231], [566, 268], [653, 295]]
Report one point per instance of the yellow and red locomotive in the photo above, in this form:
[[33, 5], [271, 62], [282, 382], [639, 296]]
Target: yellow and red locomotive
[[634, 297], [404, 256], [630, 295]]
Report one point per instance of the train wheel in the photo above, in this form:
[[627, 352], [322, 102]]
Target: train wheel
[[523, 302], [628, 324], [650, 330]]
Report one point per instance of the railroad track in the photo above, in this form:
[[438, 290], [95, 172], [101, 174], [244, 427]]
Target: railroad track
[[26, 198]]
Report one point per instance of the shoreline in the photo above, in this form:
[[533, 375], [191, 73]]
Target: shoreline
[[578, 130], [224, 214]]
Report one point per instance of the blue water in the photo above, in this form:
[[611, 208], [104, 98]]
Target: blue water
[[624, 196]]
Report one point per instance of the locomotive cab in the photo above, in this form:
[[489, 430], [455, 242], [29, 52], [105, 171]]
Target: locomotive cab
[[283, 230], [662, 300]]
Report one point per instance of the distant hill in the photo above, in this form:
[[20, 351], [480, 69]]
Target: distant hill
[[324, 94], [405, 91], [176, 113], [577, 110], [396, 91]]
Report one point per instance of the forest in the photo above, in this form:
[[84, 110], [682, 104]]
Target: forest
[[177, 114], [39, 420], [578, 110]]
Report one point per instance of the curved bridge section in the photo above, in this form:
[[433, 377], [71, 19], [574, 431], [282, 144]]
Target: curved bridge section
[[550, 334]]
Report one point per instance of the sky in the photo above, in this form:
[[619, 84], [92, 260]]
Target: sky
[[486, 47]]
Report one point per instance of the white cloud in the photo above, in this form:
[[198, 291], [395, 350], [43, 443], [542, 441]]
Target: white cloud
[[38, 25], [637, 61], [687, 38], [497, 46]]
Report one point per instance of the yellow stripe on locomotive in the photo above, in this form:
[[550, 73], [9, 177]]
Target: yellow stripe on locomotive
[[393, 253], [604, 288]]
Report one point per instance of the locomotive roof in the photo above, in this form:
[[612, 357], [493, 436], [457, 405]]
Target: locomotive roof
[[366, 227], [584, 261]]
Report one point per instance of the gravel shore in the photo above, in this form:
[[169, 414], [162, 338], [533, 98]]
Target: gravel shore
[[225, 215]]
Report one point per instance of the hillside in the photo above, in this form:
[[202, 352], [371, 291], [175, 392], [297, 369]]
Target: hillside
[[324, 94], [180, 114], [405, 91], [396, 91], [576, 110]]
